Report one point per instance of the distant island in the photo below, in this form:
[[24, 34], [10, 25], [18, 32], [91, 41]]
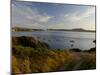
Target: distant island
[[17, 29], [75, 29]]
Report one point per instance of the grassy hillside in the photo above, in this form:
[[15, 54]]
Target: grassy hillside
[[29, 55]]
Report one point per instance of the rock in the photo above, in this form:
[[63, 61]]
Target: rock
[[27, 41], [72, 41], [94, 41]]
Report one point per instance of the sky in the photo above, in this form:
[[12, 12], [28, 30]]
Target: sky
[[39, 15]]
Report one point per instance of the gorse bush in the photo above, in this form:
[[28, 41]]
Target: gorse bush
[[38, 57]]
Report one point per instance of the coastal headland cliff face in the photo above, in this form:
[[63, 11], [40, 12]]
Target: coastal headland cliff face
[[31, 55]]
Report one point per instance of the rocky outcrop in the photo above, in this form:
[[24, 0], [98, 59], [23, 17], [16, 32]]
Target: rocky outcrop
[[28, 41]]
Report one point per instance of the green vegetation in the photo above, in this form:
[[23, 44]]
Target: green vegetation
[[17, 29], [29, 55]]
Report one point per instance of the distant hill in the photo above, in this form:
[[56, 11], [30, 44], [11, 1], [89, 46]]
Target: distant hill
[[80, 29], [76, 29], [16, 29]]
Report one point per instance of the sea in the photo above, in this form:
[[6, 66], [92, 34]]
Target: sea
[[63, 39]]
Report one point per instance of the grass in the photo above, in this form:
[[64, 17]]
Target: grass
[[38, 59]]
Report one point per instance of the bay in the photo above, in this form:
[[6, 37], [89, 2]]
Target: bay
[[63, 39]]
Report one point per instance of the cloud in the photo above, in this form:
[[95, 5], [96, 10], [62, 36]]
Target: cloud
[[79, 19], [25, 15], [73, 17], [89, 11], [45, 18], [79, 16], [36, 16], [28, 15]]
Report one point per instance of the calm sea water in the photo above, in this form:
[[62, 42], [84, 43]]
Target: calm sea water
[[63, 39]]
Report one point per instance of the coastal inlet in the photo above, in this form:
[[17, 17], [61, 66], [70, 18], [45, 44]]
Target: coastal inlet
[[63, 39]]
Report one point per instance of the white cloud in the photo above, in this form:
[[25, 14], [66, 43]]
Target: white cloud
[[79, 19], [77, 16], [88, 12], [22, 14], [72, 17], [45, 18]]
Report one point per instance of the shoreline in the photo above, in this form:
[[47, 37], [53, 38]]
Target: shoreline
[[57, 30], [17, 29], [94, 41]]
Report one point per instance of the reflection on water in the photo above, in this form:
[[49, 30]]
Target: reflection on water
[[63, 39]]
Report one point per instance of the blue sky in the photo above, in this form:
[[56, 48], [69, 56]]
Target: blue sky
[[52, 16]]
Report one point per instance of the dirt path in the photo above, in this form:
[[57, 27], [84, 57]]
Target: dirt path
[[77, 65], [78, 62]]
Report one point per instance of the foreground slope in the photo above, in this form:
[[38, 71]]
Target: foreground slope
[[30, 55]]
